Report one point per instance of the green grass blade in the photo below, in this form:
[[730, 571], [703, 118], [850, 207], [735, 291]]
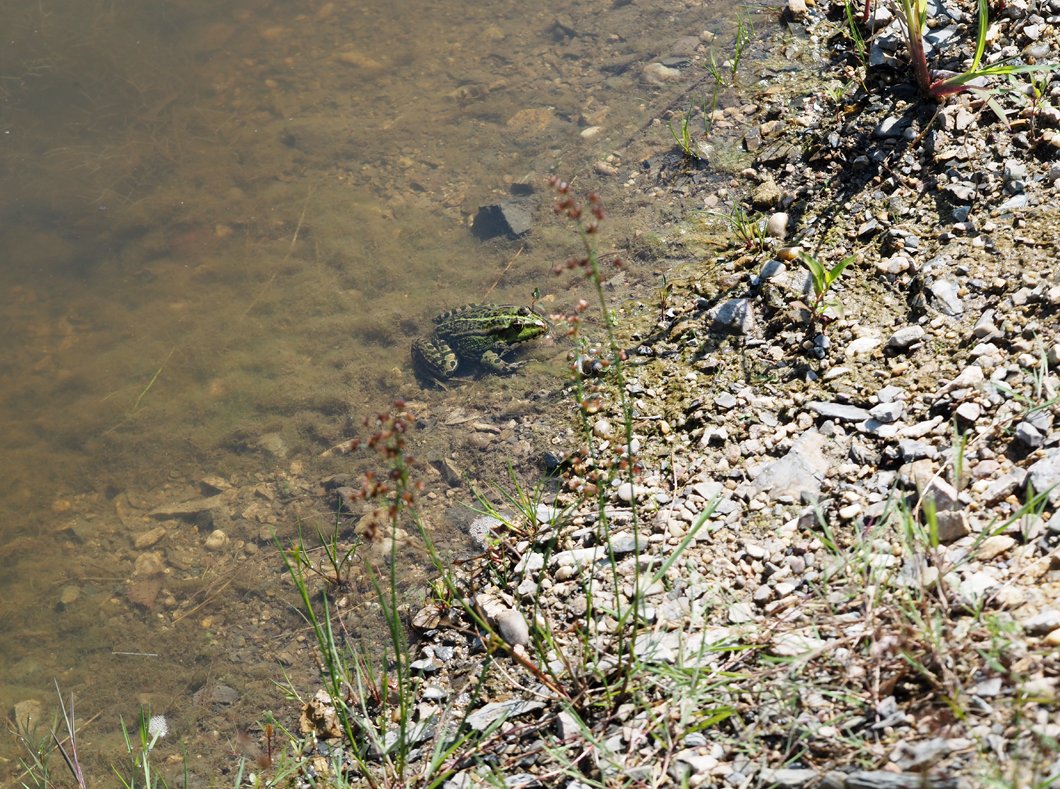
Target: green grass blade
[[980, 37]]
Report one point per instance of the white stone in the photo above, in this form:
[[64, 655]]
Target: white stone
[[777, 226], [862, 346]]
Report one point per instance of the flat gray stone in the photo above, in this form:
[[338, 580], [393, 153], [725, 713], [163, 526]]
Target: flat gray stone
[[735, 316], [862, 346], [905, 338], [510, 217], [1029, 435], [798, 472], [881, 779], [915, 450], [787, 777], [1043, 622], [480, 719], [891, 127], [838, 411], [888, 412], [1014, 203]]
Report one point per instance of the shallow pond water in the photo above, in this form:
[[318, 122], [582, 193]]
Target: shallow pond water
[[222, 224]]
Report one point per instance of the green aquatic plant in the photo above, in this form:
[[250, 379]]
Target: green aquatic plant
[[741, 41], [684, 137], [745, 32], [149, 730]]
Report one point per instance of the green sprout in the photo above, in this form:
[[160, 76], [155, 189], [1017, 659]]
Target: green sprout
[[683, 136], [822, 279]]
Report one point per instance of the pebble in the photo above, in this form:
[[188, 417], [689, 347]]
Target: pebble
[[1029, 435], [862, 346], [945, 293], [951, 525], [896, 264], [513, 628], [777, 225], [905, 338], [602, 429], [994, 546], [888, 412], [1044, 475], [150, 537], [658, 74], [1043, 622], [734, 315], [149, 563], [216, 540], [765, 196]]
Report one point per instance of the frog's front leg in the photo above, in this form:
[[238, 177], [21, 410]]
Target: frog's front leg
[[492, 360]]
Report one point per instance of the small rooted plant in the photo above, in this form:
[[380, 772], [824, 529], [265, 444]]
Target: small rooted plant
[[861, 49], [337, 563], [938, 85], [822, 279], [742, 40], [150, 729], [749, 229], [684, 136]]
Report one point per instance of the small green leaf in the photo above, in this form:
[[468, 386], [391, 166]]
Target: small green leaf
[[817, 273], [837, 269]]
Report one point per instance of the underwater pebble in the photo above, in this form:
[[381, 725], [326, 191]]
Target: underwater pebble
[[658, 74], [216, 540]]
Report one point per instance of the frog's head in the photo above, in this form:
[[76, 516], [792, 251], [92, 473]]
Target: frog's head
[[524, 324]]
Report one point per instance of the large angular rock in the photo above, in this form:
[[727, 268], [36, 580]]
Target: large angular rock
[[1045, 476], [509, 217], [799, 472]]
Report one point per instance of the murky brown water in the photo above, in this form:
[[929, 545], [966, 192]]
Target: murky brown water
[[221, 225]]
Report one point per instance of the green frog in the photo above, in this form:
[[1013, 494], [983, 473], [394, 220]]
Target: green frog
[[476, 334]]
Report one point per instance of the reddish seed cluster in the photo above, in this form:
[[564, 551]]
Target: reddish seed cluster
[[389, 441], [572, 209], [568, 206]]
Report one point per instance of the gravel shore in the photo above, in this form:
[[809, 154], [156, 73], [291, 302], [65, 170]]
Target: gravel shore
[[838, 563]]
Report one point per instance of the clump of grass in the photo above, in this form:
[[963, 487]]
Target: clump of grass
[[749, 229], [39, 747], [684, 137]]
